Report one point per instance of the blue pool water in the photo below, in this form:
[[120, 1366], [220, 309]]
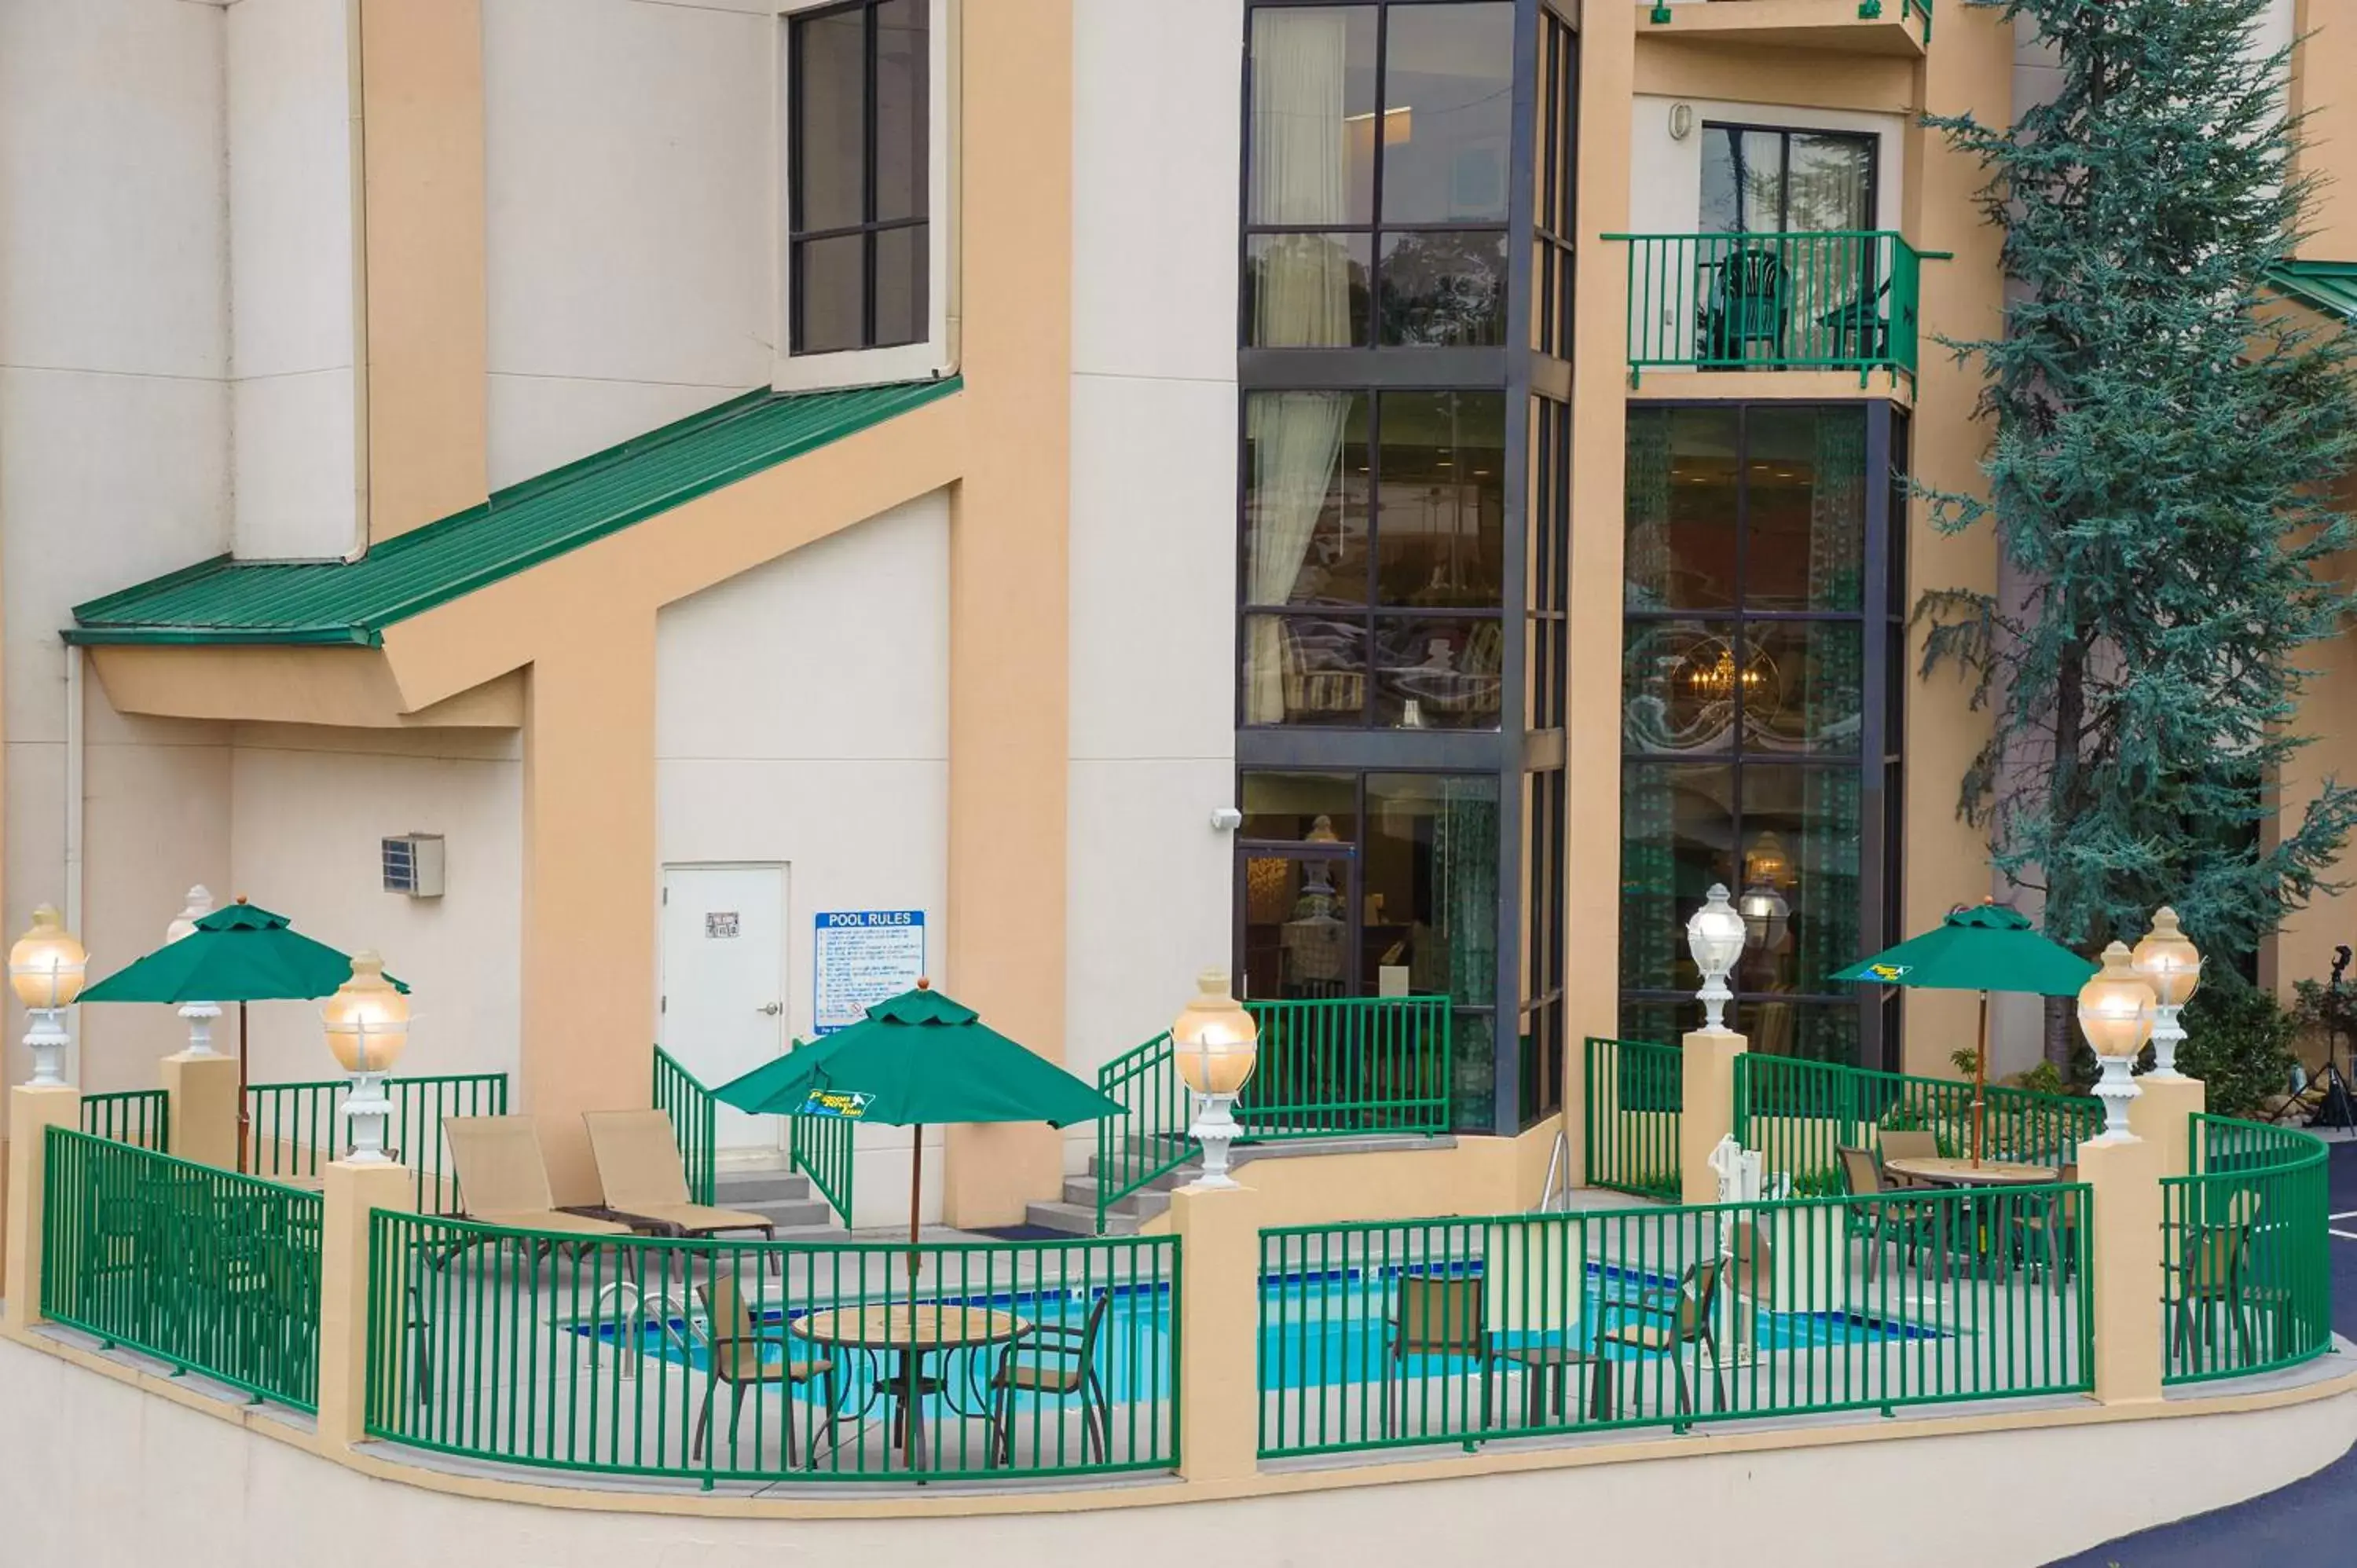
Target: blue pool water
[[1320, 1330]]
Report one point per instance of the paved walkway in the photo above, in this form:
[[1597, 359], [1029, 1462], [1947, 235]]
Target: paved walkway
[[2311, 1523]]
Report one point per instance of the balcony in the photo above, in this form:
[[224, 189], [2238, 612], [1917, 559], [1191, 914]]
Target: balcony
[[1857, 26], [1842, 301]]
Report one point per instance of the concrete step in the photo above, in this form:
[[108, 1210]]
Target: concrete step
[[751, 1189], [1079, 1220], [791, 1214], [1143, 1204]]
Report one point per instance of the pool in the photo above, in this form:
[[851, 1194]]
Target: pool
[[1320, 1330]]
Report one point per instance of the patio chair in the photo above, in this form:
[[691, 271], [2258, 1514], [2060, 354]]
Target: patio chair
[[644, 1178], [737, 1344], [1691, 1309], [1437, 1317], [1905, 1144], [2050, 1227], [1745, 304], [2206, 1278], [1881, 1223], [505, 1179], [1053, 1360]]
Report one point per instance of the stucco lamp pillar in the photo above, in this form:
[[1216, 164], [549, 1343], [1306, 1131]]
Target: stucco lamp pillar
[[367, 1024], [47, 968], [2167, 962], [2115, 1012], [1215, 1044]]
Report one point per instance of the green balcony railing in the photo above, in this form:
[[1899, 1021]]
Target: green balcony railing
[[1797, 1113], [694, 1122], [774, 1362], [293, 1129], [1836, 301], [211, 1271], [141, 1117], [1919, 11], [2244, 1241], [1460, 1330], [1634, 1102]]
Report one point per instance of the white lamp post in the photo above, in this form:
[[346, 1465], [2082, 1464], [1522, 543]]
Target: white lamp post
[[1714, 935], [368, 1023], [2115, 1011], [1215, 1044], [47, 968], [2167, 962], [200, 1015]]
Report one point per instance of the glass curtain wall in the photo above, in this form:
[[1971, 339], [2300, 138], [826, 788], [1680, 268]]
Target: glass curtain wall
[[1408, 201], [1759, 716]]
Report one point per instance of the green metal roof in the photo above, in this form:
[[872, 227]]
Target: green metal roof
[[228, 601], [2327, 287]]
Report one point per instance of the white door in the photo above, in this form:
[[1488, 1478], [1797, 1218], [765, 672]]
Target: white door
[[724, 980]]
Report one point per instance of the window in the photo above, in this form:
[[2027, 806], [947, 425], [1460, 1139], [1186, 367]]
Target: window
[[859, 175], [1759, 180], [1373, 558], [1756, 567], [1376, 194], [1342, 876]]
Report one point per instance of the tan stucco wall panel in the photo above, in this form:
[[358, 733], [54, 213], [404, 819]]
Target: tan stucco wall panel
[[1753, 73]]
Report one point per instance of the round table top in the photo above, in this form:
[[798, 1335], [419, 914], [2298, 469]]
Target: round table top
[[901, 1327], [1964, 1173]]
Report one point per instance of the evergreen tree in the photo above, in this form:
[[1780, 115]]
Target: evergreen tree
[[2167, 443]]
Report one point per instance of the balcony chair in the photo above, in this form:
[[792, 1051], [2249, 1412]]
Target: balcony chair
[[736, 1360], [1746, 302], [1053, 1360]]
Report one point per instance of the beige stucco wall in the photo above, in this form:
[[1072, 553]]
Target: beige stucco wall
[[91, 1458]]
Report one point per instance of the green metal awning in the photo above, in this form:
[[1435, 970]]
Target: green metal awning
[[351, 603], [2329, 287]]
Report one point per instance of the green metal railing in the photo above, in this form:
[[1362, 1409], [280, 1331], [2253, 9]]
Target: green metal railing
[[1348, 1065], [293, 1129], [2244, 1241], [212, 1272], [1339, 1067], [694, 1122], [1149, 1139], [773, 1363], [821, 1148], [141, 1117], [1798, 1113], [1634, 1102], [1384, 1335], [1662, 13], [1834, 301]]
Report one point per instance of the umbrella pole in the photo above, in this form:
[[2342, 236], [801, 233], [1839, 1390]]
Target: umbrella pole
[[909, 1411], [1980, 1082], [244, 1116]]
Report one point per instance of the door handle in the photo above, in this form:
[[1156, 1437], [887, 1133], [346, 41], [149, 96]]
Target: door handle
[[771, 1008]]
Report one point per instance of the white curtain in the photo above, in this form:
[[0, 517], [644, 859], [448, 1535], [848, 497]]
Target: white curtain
[[1300, 175]]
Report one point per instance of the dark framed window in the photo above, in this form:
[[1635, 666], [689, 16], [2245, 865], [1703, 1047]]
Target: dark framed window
[[859, 79], [1373, 566], [1761, 696], [1544, 869], [1555, 193], [1343, 875], [1771, 180]]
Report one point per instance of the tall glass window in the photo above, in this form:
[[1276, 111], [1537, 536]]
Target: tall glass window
[[1752, 756], [858, 83]]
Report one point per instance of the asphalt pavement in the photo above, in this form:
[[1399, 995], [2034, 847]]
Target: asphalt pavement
[[2312, 1523]]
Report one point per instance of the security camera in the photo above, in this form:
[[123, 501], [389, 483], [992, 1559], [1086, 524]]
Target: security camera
[[1226, 819]]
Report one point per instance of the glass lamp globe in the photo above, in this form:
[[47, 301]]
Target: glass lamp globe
[[1214, 1042], [1716, 933], [47, 965], [367, 1018], [2167, 962], [2115, 1007]]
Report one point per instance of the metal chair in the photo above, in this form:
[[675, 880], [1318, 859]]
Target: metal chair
[[1881, 1223], [736, 1360], [1063, 1361], [1691, 1309], [1435, 1317]]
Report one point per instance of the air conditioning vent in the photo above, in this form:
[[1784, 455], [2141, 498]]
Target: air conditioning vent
[[413, 866]]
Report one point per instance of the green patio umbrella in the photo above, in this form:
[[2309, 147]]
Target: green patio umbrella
[[1985, 947], [243, 953], [917, 1057]]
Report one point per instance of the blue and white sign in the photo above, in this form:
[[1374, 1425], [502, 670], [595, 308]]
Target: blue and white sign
[[861, 957]]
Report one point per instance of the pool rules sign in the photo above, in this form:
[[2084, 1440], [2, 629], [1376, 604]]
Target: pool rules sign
[[862, 956]]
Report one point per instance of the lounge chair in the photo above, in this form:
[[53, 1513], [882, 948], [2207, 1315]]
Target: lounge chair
[[736, 1360], [505, 1180], [640, 1168]]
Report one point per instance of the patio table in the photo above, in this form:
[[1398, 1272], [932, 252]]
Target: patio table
[[1964, 1173], [910, 1333]]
